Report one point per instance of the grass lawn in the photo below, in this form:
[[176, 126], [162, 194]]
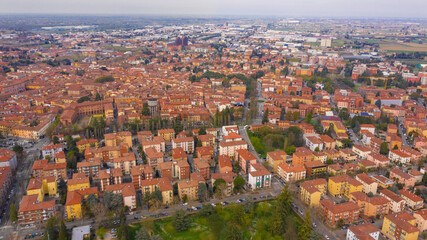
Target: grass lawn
[[256, 225]]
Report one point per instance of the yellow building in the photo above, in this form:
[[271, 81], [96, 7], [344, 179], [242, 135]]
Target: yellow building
[[74, 205], [166, 134], [189, 189], [119, 138], [310, 195], [311, 191], [275, 158], [89, 143], [343, 185], [78, 182], [400, 226], [41, 187], [35, 187]]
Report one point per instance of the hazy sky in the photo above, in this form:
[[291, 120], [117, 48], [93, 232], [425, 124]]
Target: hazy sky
[[324, 8]]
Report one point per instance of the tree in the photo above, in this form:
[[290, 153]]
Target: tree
[[305, 229], [239, 183], [277, 225], [309, 117], [384, 148], [233, 233], [101, 232], [356, 127], [145, 110], [55, 140], [98, 97], [63, 233], [142, 234], [207, 210], [123, 229], [51, 229], [265, 116], [18, 149], [370, 194], [185, 198], [238, 215], [13, 213], [219, 187], [284, 201], [180, 221], [236, 167], [378, 103], [346, 143], [112, 200], [343, 114], [92, 200], [203, 192]]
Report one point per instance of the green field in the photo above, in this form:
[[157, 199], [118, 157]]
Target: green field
[[255, 224]]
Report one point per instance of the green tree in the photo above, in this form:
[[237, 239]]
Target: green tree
[[233, 233], [219, 187], [92, 199], [238, 215], [18, 149], [346, 143], [343, 114], [304, 230], [98, 97], [265, 116], [51, 229], [378, 103], [13, 213], [284, 201], [384, 148], [203, 192], [277, 225], [180, 221], [309, 117], [55, 140], [239, 183], [290, 230], [101, 232], [356, 127], [236, 167], [145, 110], [123, 228], [63, 233], [112, 200]]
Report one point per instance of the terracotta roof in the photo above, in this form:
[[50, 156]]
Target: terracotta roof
[[29, 203], [397, 219]]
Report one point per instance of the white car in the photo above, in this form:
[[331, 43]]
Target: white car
[[213, 204], [326, 236]]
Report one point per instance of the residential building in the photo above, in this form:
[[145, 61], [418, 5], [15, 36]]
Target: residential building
[[224, 164], [32, 211], [413, 201], [189, 189], [245, 159], [400, 226], [343, 185], [125, 163], [291, 173], [421, 219], [333, 213], [365, 231], [127, 191], [399, 157], [118, 138], [90, 168], [275, 158], [369, 184], [229, 148], [186, 143], [397, 203], [166, 134], [402, 177], [258, 176], [371, 206]]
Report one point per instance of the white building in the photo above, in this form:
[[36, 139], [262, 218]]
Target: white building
[[399, 156], [258, 176], [363, 232], [8, 159], [186, 143], [314, 143], [229, 148]]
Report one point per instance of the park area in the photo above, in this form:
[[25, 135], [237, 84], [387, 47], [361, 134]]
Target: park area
[[266, 140], [249, 220]]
